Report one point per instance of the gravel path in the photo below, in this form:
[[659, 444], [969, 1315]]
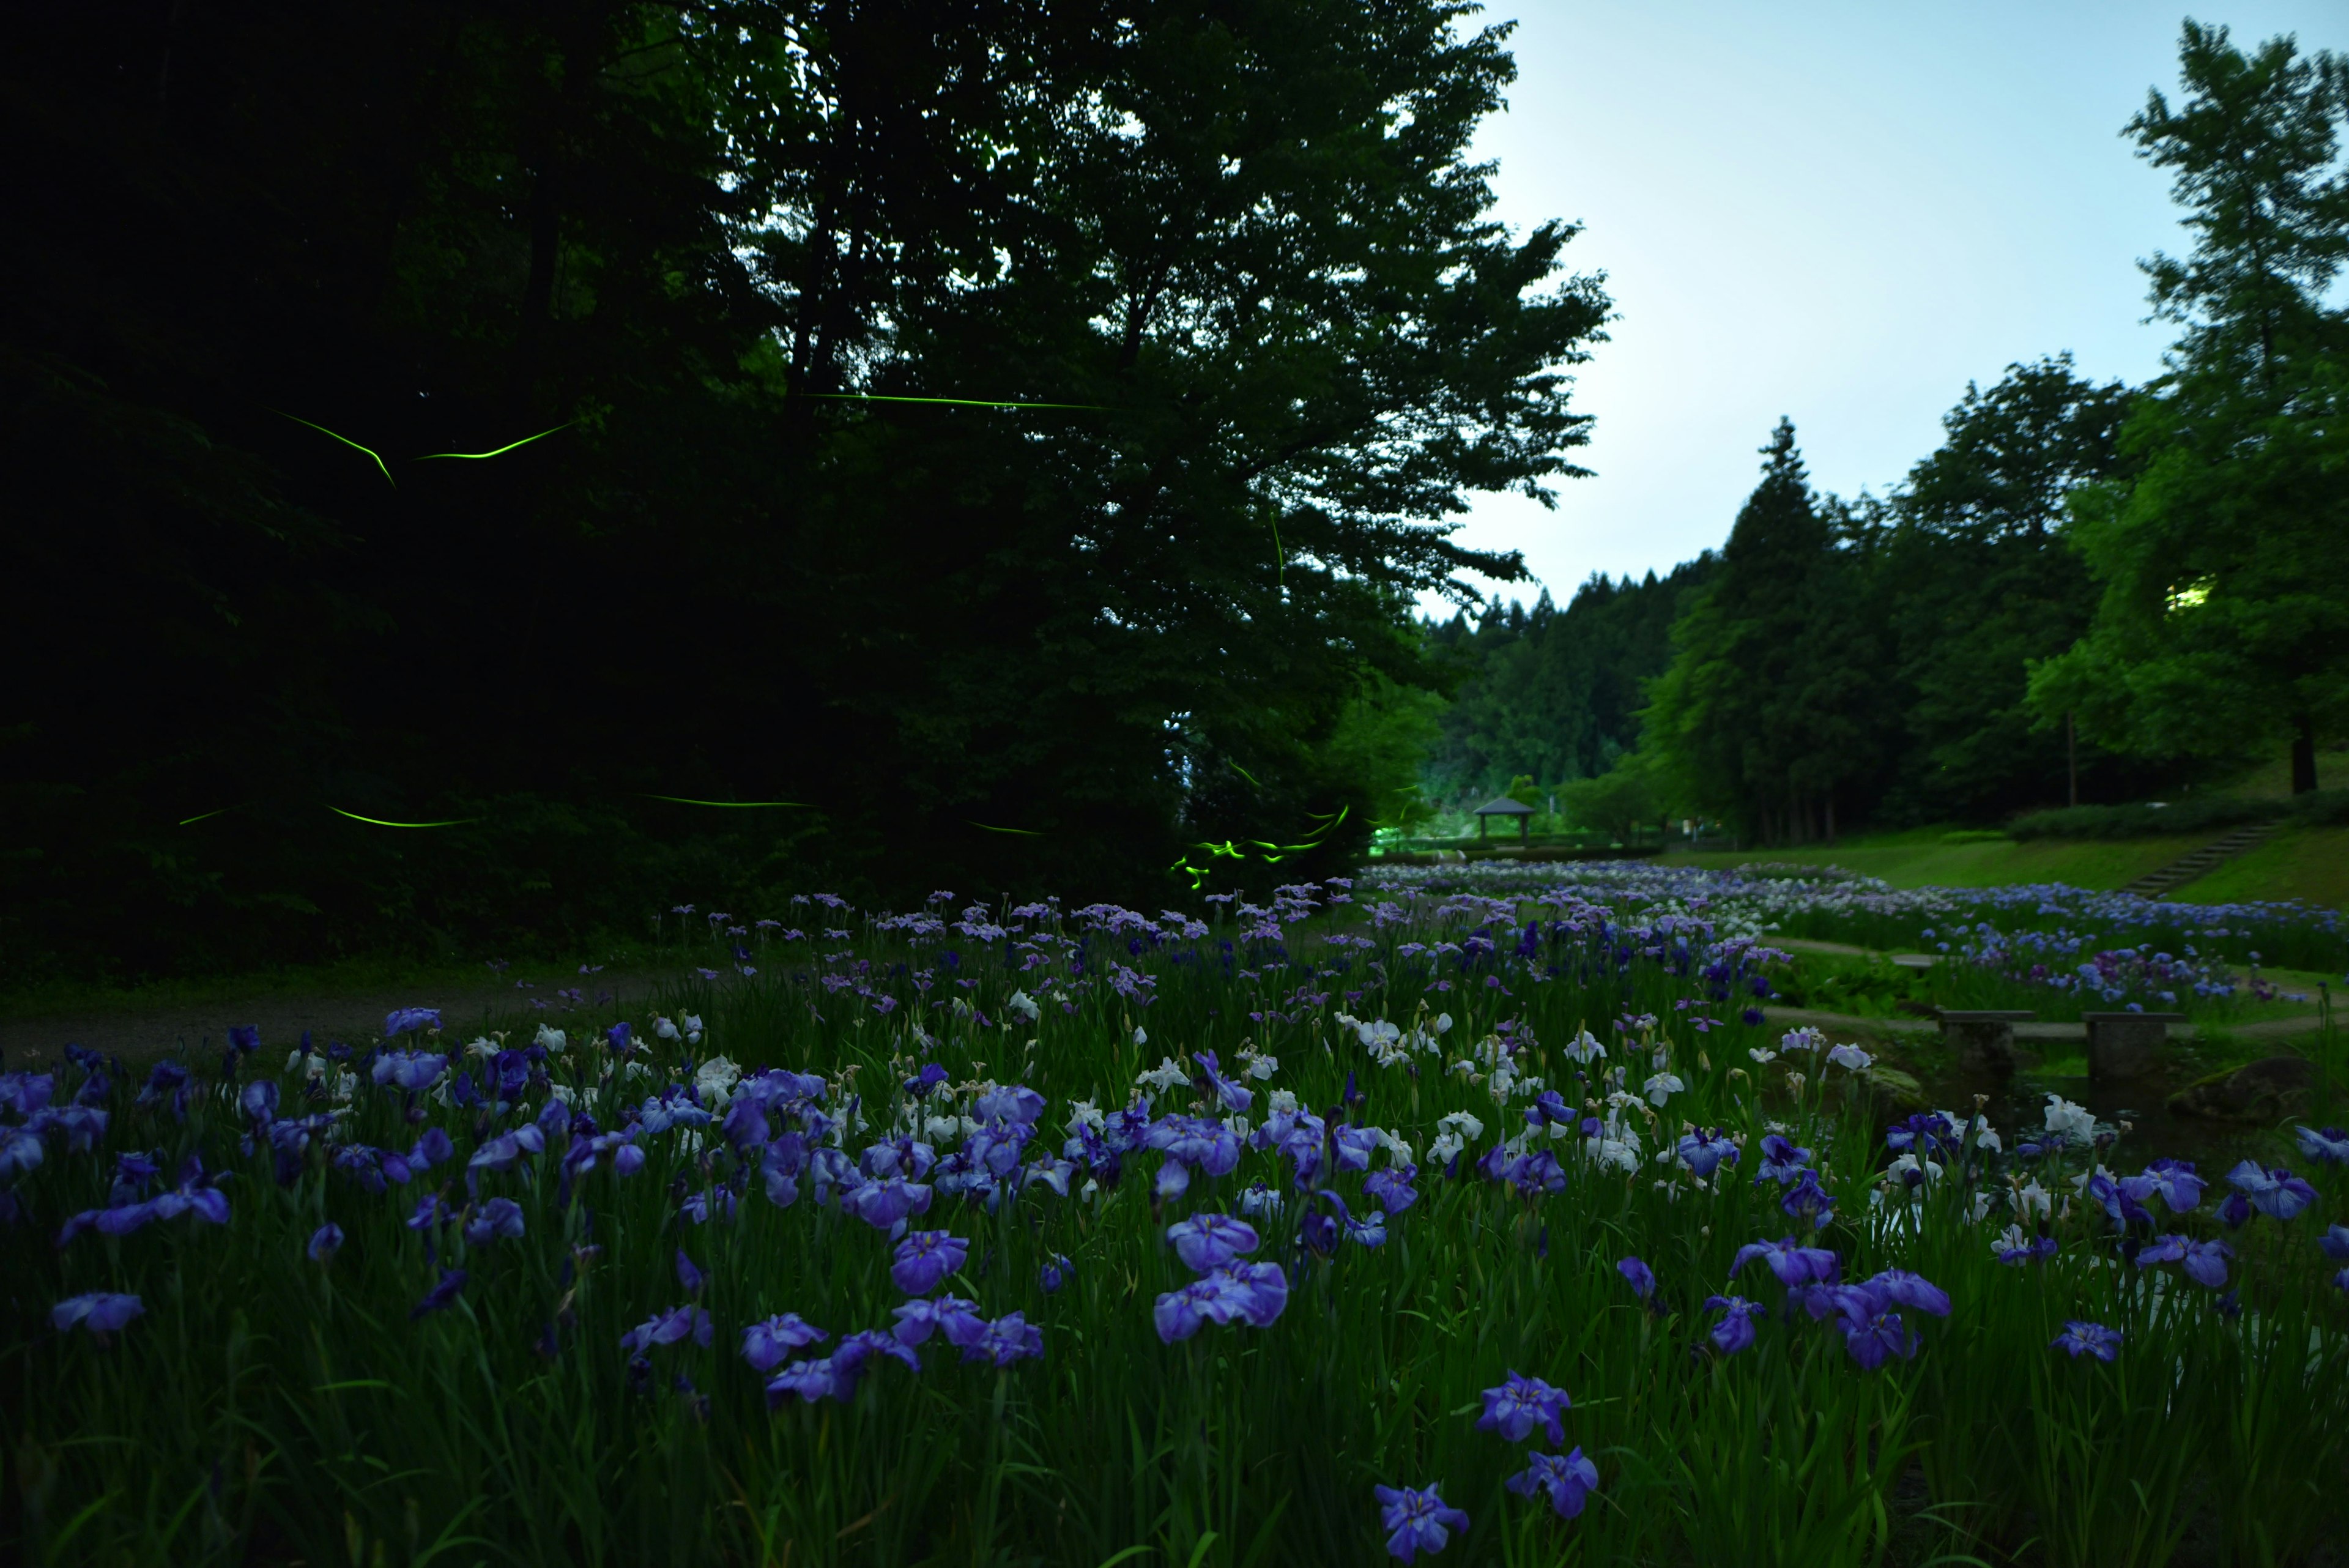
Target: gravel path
[[144, 1035]]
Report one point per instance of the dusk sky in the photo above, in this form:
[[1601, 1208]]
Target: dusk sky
[[1841, 213]]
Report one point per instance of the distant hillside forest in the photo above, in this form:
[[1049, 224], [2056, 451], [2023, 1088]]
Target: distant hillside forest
[[2087, 592], [1848, 663]]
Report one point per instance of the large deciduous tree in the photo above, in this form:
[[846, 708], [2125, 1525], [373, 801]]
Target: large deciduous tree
[[2224, 621], [1241, 245]]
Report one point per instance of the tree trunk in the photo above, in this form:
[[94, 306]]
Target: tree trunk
[[2304, 756]]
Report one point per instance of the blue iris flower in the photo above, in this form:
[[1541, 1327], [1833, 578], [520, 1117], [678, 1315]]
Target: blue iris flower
[[325, 1241], [499, 1220], [666, 1328], [2094, 1339], [1253, 1294], [1205, 1242], [1642, 1278], [2278, 1193], [410, 1019], [766, 1345], [1390, 1188], [2327, 1144], [1795, 1266], [1734, 1332], [101, 1312], [1567, 1479], [1008, 1338], [952, 1316], [925, 1259], [1521, 1406], [1416, 1520], [1055, 1274], [442, 1296]]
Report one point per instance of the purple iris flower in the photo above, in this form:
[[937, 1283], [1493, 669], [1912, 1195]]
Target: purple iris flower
[[1369, 1231], [1794, 1265], [668, 1327], [745, 1126], [1782, 1161], [925, 1259], [1010, 1105], [1392, 1188], [2029, 1252], [431, 1213], [2094, 1339], [244, 1039], [952, 1316], [1548, 1108], [1253, 1294], [1706, 1152], [1642, 1278], [2278, 1193], [766, 1345], [883, 1205], [1008, 1338], [99, 1312], [499, 1220], [325, 1241], [1734, 1332], [2329, 1146], [1872, 1332], [621, 1036], [929, 1078], [688, 1275], [413, 1071], [1205, 1242], [1901, 1288], [810, 1381], [2235, 1211], [854, 1351], [259, 1100], [2335, 1242], [1191, 1142], [1806, 1199], [2124, 1200], [1356, 1146], [505, 1151], [1520, 1406], [1568, 1479], [20, 1151], [408, 1020], [1416, 1520], [431, 1149], [1055, 1274], [2174, 1179], [441, 1297], [1230, 1095]]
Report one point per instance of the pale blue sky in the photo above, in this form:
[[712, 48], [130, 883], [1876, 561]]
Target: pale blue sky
[[1837, 211]]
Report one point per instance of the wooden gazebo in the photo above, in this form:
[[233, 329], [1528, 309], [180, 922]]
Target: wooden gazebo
[[1505, 806]]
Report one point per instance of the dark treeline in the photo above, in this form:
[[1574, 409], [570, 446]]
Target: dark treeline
[[264, 264], [1553, 695], [2088, 592]]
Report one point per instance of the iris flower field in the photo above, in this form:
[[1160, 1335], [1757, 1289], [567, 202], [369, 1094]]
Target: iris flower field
[[1397, 1217]]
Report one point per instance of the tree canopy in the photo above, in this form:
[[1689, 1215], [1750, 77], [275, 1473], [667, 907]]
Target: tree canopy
[[1013, 434]]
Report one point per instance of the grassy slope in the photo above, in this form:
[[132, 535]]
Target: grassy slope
[[1921, 859], [2311, 863]]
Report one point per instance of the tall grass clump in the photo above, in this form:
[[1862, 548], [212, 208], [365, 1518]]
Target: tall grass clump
[[1032, 1235]]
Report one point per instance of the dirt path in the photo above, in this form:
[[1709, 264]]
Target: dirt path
[[144, 1035]]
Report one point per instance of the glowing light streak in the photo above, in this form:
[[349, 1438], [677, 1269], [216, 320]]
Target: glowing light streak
[[501, 451], [346, 441], [378, 821], [965, 402]]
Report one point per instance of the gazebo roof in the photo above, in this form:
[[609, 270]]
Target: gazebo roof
[[1505, 806]]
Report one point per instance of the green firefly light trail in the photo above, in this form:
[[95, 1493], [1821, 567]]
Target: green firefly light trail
[[346, 441], [963, 402], [1023, 831], [378, 821], [477, 456], [732, 804]]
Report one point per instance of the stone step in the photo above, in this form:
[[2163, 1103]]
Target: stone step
[[2200, 862]]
